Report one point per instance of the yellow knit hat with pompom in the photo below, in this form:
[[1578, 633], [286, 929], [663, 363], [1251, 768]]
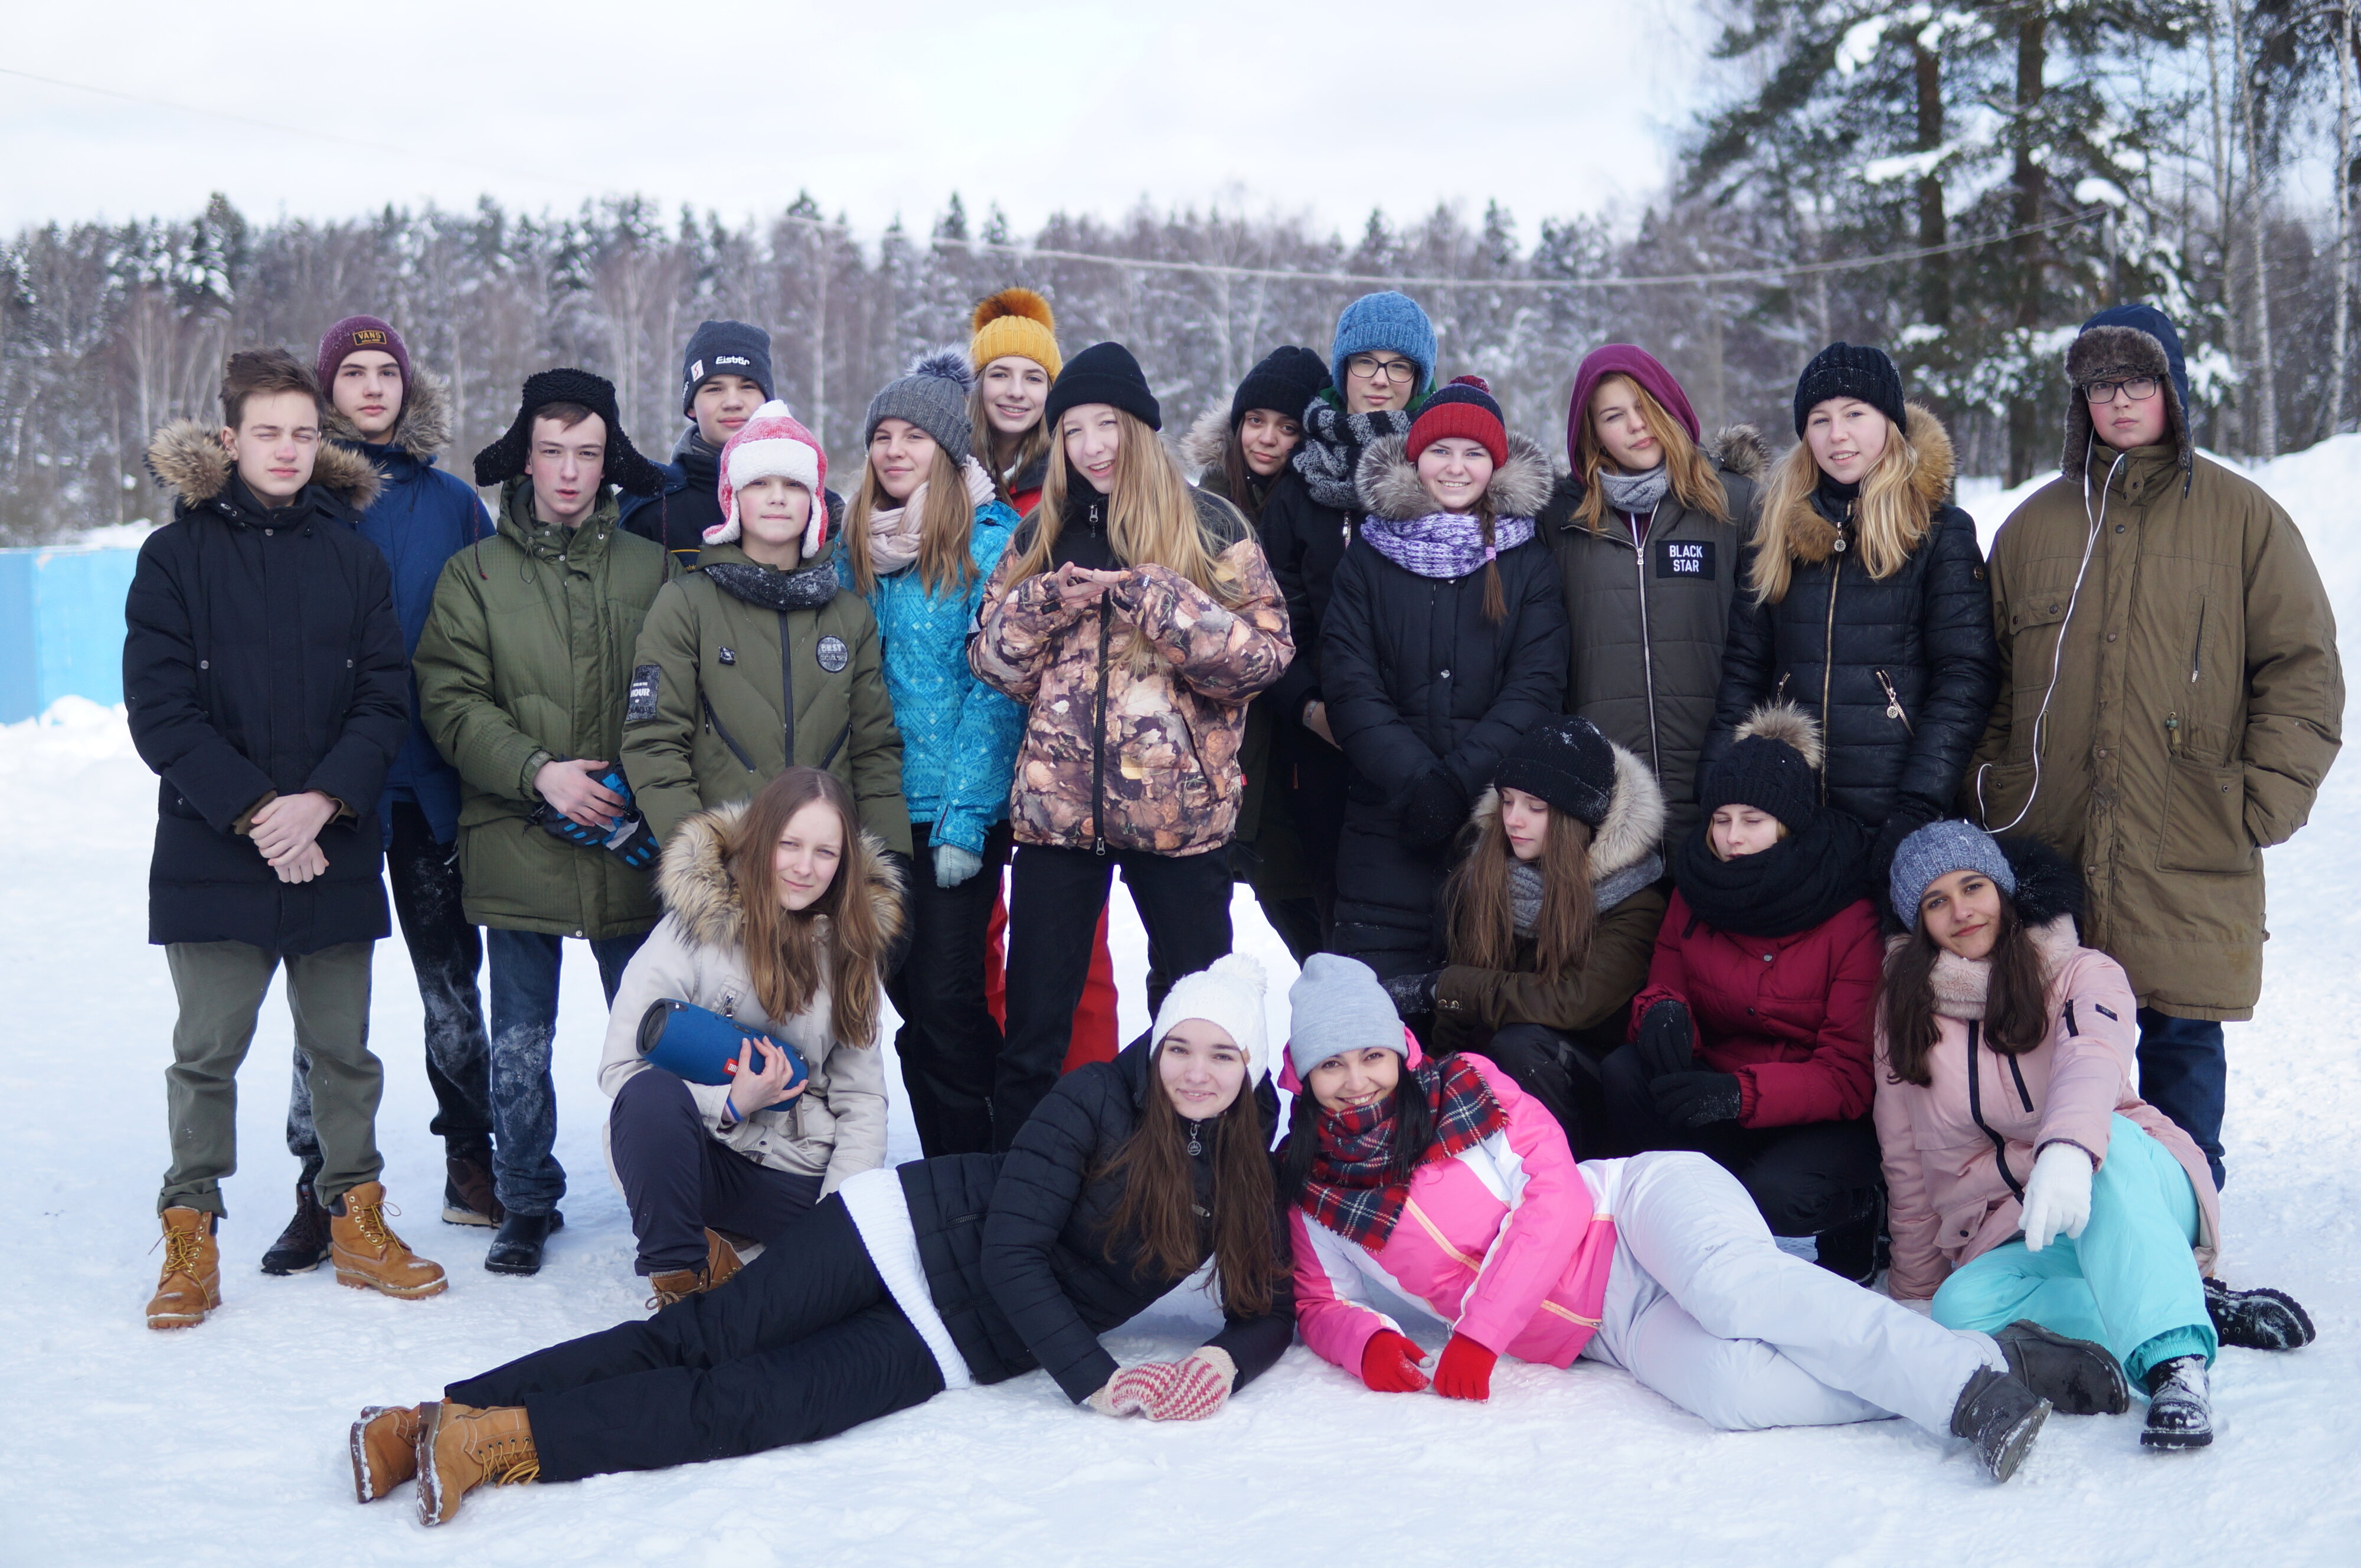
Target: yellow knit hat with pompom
[[1018, 322]]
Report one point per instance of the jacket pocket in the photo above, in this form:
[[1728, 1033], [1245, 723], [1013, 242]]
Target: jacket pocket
[[2034, 618], [2204, 819], [2002, 791]]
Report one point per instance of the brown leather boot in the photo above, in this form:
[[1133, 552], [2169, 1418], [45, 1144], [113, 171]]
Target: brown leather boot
[[189, 1285], [721, 1261], [460, 1448], [369, 1256], [385, 1449]]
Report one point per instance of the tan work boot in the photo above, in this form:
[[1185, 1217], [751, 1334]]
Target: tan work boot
[[721, 1261], [460, 1448], [369, 1257], [189, 1286], [385, 1449]]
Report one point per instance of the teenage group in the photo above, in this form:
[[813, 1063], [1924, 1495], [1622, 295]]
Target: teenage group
[[1714, 881]]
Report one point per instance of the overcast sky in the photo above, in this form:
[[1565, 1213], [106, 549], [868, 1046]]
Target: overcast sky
[[879, 110]]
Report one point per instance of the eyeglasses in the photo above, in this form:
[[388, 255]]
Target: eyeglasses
[[1368, 368], [2141, 387]]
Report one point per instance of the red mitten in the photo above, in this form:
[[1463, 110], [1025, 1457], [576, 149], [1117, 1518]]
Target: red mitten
[[1130, 1391], [1465, 1370], [1390, 1364], [1197, 1387]]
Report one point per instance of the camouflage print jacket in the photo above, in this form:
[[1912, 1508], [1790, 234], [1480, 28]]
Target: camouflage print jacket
[[1113, 758]]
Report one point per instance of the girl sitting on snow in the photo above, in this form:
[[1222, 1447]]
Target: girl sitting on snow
[[1129, 1175], [2025, 1176], [1658, 1264]]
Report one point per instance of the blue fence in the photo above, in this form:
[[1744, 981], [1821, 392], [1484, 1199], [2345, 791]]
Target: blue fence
[[62, 626]]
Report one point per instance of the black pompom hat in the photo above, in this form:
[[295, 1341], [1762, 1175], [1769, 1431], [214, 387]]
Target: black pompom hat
[[505, 459], [1773, 767]]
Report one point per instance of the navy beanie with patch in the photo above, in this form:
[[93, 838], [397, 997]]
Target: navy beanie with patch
[[724, 348]]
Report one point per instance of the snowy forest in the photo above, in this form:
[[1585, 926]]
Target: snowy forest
[[1962, 183]]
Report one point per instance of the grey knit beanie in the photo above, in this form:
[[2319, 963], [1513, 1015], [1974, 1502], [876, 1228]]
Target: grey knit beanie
[[1338, 1005], [1937, 850], [932, 395]]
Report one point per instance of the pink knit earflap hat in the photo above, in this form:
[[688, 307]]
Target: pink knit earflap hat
[[773, 444]]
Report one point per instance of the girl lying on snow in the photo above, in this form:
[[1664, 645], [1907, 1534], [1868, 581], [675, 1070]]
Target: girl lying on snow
[[1659, 1264], [967, 1269]]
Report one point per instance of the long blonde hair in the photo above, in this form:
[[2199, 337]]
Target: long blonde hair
[[1889, 516], [1685, 464], [1031, 444], [944, 527], [782, 949]]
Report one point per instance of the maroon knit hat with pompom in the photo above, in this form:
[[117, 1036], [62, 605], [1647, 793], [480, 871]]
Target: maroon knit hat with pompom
[[1464, 409]]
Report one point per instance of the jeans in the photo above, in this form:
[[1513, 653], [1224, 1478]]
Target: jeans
[[525, 1174], [446, 952], [949, 1041], [2185, 1073], [678, 1177]]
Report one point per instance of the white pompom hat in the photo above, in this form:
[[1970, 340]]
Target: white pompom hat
[[1229, 991]]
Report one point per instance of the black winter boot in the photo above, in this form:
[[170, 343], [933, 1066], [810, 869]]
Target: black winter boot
[[1849, 1250], [517, 1248], [2180, 1405], [302, 1247], [2077, 1377], [468, 1198], [2259, 1319], [2000, 1416]]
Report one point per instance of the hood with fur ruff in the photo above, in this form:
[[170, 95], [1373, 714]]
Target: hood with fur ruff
[[1812, 538], [187, 456], [424, 427], [1387, 481], [1203, 446], [1627, 835], [693, 880]]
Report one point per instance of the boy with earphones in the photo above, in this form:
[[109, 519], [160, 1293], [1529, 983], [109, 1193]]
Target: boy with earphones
[[2170, 699]]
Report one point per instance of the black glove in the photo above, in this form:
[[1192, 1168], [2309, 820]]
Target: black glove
[[1909, 815], [1431, 809], [1667, 1039], [633, 841], [1414, 994], [1696, 1099]]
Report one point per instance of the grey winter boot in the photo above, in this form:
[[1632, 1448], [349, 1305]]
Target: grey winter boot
[[2001, 1417], [2259, 1319], [2077, 1377], [2179, 1407]]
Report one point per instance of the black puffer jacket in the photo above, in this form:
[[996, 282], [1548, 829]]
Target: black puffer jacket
[[1900, 673], [1016, 1245]]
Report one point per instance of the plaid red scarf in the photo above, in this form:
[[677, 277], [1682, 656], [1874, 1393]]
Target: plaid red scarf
[[1351, 1189]]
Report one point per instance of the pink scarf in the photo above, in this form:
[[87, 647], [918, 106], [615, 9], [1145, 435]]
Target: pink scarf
[[894, 533]]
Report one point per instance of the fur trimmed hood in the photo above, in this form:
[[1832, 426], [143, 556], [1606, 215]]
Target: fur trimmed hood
[[1811, 538], [693, 880], [1790, 726], [186, 455], [423, 428], [1387, 481], [1627, 837], [1203, 444], [1740, 449]]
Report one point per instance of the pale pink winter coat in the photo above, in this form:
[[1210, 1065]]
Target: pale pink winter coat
[[1948, 1201], [1501, 1241]]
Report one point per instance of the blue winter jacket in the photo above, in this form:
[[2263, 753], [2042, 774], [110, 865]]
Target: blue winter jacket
[[421, 518], [959, 735]]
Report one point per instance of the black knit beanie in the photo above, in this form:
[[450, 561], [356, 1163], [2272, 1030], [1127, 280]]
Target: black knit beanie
[[505, 459], [1285, 382], [724, 348], [1567, 762], [1772, 766], [1846, 370], [1104, 373]]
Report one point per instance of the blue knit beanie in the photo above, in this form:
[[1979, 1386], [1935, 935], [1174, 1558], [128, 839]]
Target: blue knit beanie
[[1937, 850], [1387, 320]]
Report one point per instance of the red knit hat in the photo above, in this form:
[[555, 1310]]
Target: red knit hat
[[354, 333], [1464, 409], [771, 445]]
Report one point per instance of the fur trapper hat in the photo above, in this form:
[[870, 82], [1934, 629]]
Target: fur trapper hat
[[2117, 343], [505, 459], [771, 445]]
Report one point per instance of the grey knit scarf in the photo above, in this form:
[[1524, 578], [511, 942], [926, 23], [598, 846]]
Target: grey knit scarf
[[1525, 896], [1637, 493], [1332, 444], [1525, 889]]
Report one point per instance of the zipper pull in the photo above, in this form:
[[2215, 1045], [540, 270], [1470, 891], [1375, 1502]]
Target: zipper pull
[[2172, 731], [1098, 848], [1893, 700], [1840, 544]]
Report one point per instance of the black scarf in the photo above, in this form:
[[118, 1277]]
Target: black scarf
[[1792, 886], [804, 587], [1332, 444], [1833, 498]]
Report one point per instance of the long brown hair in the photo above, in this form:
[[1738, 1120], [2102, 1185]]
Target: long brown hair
[[1889, 517], [785, 951], [1482, 917], [1159, 1204], [2016, 998], [1685, 465], [944, 528], [1003, 456]]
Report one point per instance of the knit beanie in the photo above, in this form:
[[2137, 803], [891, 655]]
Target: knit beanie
[[1773, 767], [1285, 382], [932, 395], [1567, 762], [771, 445], [505, 459], [1465, 409], [1846, 370], [1018, 322], [1937, 850], [1227, 992], [1105, 373], [1338, 1005], [1388, 320], [354, 333], [724, 348]]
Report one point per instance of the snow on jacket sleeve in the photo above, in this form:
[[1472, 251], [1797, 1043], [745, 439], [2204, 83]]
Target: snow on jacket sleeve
[[2096, 1041], [1532, 689], [168, 718], [1549, 1212], [983, 739], [1910, 1218], [659, 751], [1962, 662], [1048, 1164], [1223, 655], [1381, 744], [456, 697], [1332, 1298], [1013, 642], [1833, 1083]]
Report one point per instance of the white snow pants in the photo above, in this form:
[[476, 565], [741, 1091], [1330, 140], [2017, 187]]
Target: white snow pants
[[1705, 1309]]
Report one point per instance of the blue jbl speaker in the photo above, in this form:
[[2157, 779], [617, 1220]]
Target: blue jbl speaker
[[702, 1047]]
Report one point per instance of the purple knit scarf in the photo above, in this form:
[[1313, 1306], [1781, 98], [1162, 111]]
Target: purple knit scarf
[[1442, 544]]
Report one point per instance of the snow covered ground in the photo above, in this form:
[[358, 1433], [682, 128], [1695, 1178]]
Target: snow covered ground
[[225, 1444]]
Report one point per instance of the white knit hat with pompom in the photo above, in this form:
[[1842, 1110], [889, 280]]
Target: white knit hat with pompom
[[1229, 991]]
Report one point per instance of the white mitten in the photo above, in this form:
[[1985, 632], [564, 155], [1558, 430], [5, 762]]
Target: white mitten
[[2057, 1196]]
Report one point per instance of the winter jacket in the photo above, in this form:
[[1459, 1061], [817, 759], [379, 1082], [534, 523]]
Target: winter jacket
[[2198, 702], [1899, 672], [1957, 1151], [1472, 1004], [1502, 1241], [836, 1127], [1112, 757], [1648, 619], [726, 646], [262, 657], [959, 735], [1261, 753], [1306, 541], [421, 518], [527, 659], [1017, 1249]]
